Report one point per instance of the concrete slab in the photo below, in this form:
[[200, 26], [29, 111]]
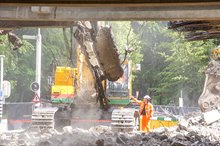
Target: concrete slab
[[211, 116]]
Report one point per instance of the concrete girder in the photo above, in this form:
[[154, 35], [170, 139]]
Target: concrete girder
[[13, 24], [54, 13], [104, 2]]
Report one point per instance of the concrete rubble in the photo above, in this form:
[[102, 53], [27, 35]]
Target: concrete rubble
[[192, 131]]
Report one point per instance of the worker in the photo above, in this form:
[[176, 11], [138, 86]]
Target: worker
[[146, 112]]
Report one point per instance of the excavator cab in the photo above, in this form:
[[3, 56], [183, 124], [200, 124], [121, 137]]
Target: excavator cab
[[118, 92]]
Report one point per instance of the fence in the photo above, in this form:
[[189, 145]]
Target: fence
[[174, 111], [19, 114]]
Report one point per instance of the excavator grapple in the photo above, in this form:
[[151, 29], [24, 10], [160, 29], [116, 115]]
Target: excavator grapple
[[108, 55], [210, 97]]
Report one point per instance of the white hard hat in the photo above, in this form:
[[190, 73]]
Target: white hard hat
[[147, 97]]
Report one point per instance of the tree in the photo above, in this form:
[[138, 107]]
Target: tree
[[126, 39], [18, 68], [20, 64], [151, 36], [171, 64], [185, 69]]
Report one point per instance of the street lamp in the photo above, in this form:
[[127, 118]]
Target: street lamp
[[1, 85], [38, 58], [1, 76]]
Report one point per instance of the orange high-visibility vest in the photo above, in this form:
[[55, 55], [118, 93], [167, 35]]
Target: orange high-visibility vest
[[148, 108]]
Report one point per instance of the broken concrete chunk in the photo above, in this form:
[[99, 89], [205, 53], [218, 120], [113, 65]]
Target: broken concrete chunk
[[178, 143], [45, 143], [211, 116], [68, 129], [163, 137], [100, 142], [119, 140], [164, 143], [183, 124]]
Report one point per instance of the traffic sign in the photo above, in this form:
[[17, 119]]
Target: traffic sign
[[6, 89], [36, 98], [34, 86]]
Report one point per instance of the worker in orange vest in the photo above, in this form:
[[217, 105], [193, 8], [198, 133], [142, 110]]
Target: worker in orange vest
[[146, 112]]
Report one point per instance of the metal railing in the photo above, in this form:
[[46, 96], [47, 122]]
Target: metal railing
[[174, 111]]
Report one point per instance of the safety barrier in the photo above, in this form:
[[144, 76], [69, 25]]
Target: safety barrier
[[156, 122]]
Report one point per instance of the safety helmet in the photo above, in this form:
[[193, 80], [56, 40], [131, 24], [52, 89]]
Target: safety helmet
[[147, 97]]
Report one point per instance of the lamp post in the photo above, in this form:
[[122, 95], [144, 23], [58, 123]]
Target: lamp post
[[38, 58], [2, 66], [2, 100], [181, 99]]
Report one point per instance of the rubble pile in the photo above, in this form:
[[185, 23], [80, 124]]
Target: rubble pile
[[201, 128], [192, 131]]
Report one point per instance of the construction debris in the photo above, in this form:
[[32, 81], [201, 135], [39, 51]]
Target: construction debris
[[192, 131], [14, 41], [211, 116], [197, 29]]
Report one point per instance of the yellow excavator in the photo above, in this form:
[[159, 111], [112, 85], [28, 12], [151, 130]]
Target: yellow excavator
[[100, 53]]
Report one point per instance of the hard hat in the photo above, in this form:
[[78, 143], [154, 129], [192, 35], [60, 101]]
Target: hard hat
[[147, 97]]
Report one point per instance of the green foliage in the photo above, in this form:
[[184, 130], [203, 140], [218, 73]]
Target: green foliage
[[125, 37], [185, 68], [171, 64], [19, 65], [18, 69], [149, 77], [55, 52]]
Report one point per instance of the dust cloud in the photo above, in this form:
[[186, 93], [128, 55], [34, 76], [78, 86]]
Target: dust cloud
[[86, 112]]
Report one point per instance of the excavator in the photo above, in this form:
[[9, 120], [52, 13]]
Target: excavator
[[100, 53], [98, 63], [73, 85]]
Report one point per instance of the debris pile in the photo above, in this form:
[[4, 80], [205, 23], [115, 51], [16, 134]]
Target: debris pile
[[201, 128], [191, 131]]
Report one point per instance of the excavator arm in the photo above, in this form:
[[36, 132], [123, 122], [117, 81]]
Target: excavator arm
[[210, 97], [101, 54]]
